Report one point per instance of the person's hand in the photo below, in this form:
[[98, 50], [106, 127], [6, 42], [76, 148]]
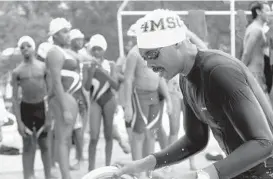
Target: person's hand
[[169, 106], [128, 168], [120, 78], [128, 113], [22, 129], [68, 118]]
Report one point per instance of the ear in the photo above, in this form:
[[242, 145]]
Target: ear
[[258, 11]]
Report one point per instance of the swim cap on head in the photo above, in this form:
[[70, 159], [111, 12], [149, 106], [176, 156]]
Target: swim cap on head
[[132, 32], [161, 28], [43, 49], [75, 34], [58, 24], [27, 39], [97, 40]]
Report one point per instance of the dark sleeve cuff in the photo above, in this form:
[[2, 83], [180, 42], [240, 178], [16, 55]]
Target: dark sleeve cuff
[[158, 164]]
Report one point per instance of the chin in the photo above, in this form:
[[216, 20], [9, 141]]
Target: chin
[[166, 76]]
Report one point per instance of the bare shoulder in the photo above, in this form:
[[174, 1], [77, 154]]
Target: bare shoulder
[[254, 31], [54, 56], [40, 64], [54, 52], [17, 70]]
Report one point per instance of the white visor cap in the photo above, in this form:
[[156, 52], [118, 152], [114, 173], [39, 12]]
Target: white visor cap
[[75, 34], [132, 32], [99, 41], [27, 39], [161, 28], [43, 49], [58, 24]]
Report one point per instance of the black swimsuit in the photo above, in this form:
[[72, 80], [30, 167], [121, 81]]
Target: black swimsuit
[[222, 94]]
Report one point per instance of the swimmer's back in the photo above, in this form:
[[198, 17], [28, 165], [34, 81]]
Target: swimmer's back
[[145, 78]]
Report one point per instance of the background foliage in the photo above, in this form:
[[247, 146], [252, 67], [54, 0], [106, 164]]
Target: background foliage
[[32, 18]]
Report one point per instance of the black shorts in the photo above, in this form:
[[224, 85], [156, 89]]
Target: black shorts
[[33, 115]]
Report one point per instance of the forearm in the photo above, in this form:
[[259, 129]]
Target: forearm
[[178, 151], [113, 83], [246, 59], [16, 110], [49, 85], [244, 158], [48, 118], [60, 94], [128, 88]]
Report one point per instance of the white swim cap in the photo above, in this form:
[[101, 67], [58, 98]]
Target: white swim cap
[[97, 40], [161, 28], [75, 34], [27, 39], [132, 32], [58, 24], [43, 49]]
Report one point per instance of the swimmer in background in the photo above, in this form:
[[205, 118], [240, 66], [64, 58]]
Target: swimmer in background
[[31, 110]]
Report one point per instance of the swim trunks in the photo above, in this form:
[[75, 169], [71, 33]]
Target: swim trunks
[[147, 110], [33, 116]]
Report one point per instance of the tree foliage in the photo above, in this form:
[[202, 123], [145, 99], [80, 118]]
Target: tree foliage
[[32, 18]]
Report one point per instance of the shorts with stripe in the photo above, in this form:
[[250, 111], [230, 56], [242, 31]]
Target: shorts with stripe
[[148, 109]]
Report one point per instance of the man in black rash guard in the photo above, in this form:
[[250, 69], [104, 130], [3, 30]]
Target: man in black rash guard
[[220, 92]]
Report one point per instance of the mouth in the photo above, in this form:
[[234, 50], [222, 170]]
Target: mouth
[[160, 70], [25, 53]]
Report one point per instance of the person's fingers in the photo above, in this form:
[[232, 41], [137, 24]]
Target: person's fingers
[[120, 172]]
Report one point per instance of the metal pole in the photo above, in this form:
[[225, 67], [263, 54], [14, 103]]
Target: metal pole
[[212, 13], [232, 28], [119, 21]]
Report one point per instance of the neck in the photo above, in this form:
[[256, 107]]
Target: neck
[[74, 49], [59, 44], [99, 59], [259, 21], [28, 59], [188, 58]]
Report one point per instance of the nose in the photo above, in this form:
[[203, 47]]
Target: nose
[[149, 65], [146, 63]]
